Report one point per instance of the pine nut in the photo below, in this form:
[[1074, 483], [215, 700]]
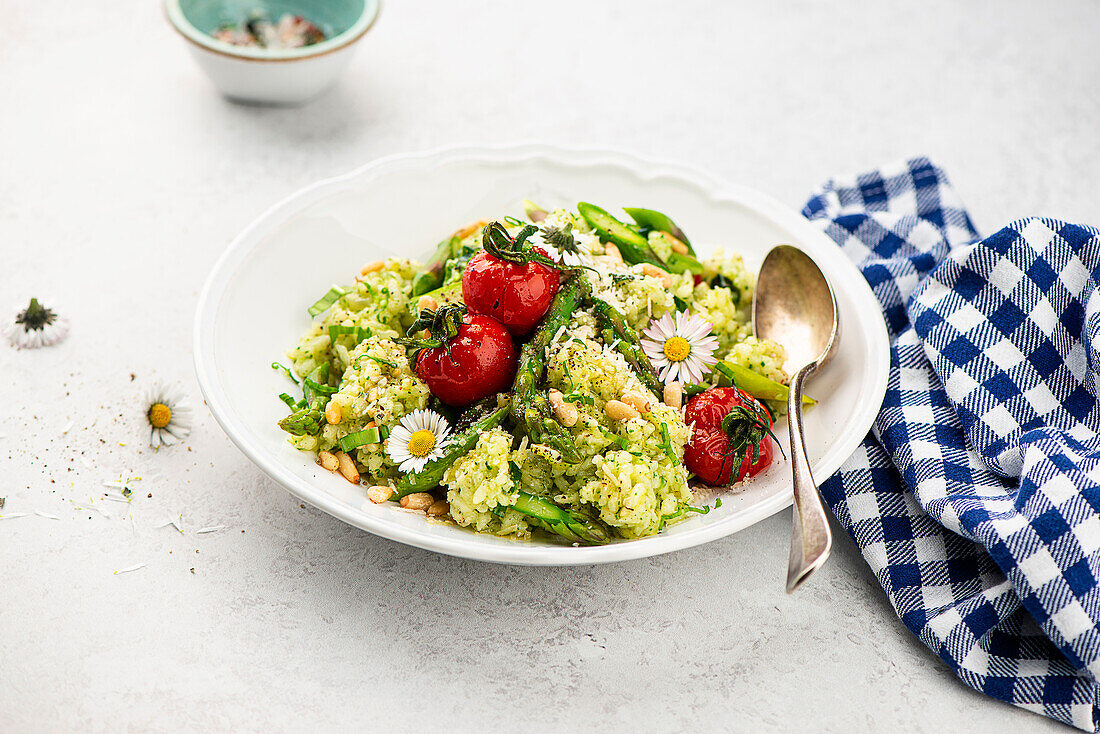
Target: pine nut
[[347, 467], [566, 413], [332, 413], [678, 245], [417, 501], [619, 411], [439, 508], [637, 401], [427, 303], [379, 493], [372, 267], [674, 395], [328, 460], [613, 252], [652, 270]]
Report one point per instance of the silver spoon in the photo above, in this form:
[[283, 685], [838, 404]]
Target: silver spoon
[[795, 306]]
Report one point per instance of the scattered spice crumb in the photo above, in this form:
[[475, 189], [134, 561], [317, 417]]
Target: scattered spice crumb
[[192, 570]]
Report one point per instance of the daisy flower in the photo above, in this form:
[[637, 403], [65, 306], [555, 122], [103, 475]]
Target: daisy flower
[[417, 440], [168, 414], [36, 326], [681, 350], [565, 257]]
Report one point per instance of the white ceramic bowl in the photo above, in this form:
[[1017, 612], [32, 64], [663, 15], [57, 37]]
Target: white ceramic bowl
[[267, 76], [253, 308]]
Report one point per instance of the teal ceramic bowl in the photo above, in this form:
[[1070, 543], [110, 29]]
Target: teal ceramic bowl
[[274, 76]]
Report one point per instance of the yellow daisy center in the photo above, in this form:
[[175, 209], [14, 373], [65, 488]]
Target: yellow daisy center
[[677, 349], [421, 443], [160, 415]]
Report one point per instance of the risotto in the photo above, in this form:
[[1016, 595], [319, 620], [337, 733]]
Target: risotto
[[533, 377]]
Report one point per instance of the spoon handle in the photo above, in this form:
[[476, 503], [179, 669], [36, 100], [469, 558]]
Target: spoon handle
[[811, 537]]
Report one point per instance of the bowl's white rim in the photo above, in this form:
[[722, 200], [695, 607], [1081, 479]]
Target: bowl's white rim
[[519, 553], [365, 21]]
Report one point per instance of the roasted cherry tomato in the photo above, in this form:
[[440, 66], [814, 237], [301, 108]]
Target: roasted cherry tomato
[[730, 430], [478, 359], [503, 281]]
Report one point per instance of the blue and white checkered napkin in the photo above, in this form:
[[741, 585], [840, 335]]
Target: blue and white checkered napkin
[[976, 498]]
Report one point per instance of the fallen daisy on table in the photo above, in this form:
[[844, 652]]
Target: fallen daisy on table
[[35, 326], [417, 440], [681, 350], [169, 415]]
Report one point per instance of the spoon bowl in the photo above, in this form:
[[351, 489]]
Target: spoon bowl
[[795, 306]]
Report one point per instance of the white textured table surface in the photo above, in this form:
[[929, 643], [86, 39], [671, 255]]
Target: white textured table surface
[[122, 177]]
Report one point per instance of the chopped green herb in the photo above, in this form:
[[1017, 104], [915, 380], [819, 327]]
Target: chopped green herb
[[277, 366], [326, 301], [577, 397], [360, 438], [666, 444], [291, 402], [337, 330], [614, 437]]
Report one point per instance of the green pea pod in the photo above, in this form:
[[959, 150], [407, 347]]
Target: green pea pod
[[432, 275], [632, 246], [652, 219], [755, 384], [678, 263]]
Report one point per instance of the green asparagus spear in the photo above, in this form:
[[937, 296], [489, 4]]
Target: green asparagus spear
[[533, 211], [553, 519], [542, 427], [305, 421], [432, 275], [615, 330], [530, 407], [460, 443]]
